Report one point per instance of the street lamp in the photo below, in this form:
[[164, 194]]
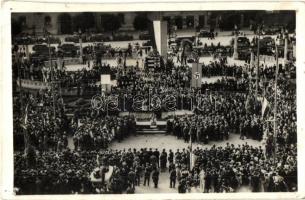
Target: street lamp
[[259, 30], [52, 72], [275, 99], [285, 34], [80, 40], [252, 46], [235, 53]]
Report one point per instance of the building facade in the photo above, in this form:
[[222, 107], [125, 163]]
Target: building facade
[[65, 23], [62, 23]]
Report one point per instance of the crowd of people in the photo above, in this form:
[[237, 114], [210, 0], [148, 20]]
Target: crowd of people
[[230, 168], [285, 134], [52, 164], [217, 169], [217, 68], [95, 132], [45, 131], [131, 168], [216, 116]]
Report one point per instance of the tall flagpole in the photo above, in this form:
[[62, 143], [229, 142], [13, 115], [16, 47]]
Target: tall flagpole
[[52, 73], [191, 152], [25, 131], [80, 40], [19, 64], [257, 67], [275, 103]]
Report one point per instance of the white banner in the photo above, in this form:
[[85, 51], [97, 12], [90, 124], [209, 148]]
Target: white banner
[[105, 79], [160, 30]]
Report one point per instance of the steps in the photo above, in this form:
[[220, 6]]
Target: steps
[[151, 131], [148, 128]]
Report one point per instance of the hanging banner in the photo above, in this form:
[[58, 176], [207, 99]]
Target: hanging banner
[[196, 75], [105, 83], [160, 33]]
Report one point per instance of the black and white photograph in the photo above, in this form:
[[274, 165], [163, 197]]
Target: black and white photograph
[[150, 102]]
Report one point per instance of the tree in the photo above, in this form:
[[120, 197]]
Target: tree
[[16, 27], [230, 20], [65, 23], [83, 21], [141, 22], [110, 23]]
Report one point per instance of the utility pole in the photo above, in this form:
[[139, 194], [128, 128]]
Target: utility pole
[[285, 46], [80, 39], [275, 103], [191, 152], [19, 64], [257, 66], [22, 112], [235, 47], [52, 74]]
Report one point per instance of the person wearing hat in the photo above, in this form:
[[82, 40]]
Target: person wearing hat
[[147, 172], [177, 156], [169, 126], [146, 156], [132, 178], [163, 160], [138, 170], [182, 186], [155, 177], [130, 189], [171, 156], [185, 133], [173, 177], [153, 160], [156, 153]]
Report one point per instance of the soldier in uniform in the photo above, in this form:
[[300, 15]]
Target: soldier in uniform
[[155, 177], [171, 156], [172, 177], [138, 172], [171, 166], [153, 160], [147, 175], [132, 178], [185, 133], [163, 160], [169, 127], [177, 156], [146, 156], [156, 153]]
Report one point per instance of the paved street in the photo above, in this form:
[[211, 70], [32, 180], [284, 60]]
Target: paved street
[[161, 141]]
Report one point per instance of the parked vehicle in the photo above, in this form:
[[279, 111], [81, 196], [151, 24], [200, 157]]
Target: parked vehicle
[[241, 42], [205, 34], [68, 50]]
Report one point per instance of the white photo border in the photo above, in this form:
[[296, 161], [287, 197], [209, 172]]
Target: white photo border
[[6, 141]]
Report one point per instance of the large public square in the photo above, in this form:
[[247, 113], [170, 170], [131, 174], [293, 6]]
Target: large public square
[[190, 102]]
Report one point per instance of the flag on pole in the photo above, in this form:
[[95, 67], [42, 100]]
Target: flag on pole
[[26, 114], [196, 75], [191, 152], [265, 104], [247, 105], [211, 98], [24, 125]]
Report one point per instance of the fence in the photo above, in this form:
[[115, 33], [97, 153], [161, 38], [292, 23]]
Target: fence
[[29, 84], [67, 61], [265, 58]]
